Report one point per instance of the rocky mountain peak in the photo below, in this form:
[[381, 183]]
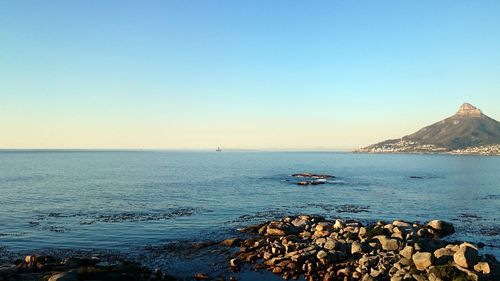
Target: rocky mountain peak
[[468, 110], [467, 130]]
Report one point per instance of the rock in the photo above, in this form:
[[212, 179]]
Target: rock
[[303, 183], [330, 244], [310, 175], [321, 255], [387, 243], [396, 278], [407, 252], [201, 276], [401, 224], [441, 227], [30, 259], [419, 277], [367, 277], [318, 181], [300, 223], [262, 230], [276, 229], [441, 252], [64, 276], [277, 270], [466, 256], [231, 242], [443, 255], [356, 248], [434, 277], [482, 267], [362, 232], [315, 248], [234, 262], [422, 260], [323, 226], [471, 275], [338, 224]]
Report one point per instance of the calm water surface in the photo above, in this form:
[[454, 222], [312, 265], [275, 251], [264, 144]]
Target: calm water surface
[[125, 200]]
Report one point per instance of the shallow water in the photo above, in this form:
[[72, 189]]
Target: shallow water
[[124, 200]]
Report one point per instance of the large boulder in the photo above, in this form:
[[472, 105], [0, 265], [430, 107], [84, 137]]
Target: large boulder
[[388, 244], [407, 252], [441, 228], [279, 229], [356, 248], [422, 260], [443, 255], [466, 256], [483, 267]]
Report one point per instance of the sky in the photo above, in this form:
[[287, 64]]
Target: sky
[[326, 75]]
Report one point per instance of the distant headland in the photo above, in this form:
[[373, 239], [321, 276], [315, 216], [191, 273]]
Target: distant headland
[[468, 131]]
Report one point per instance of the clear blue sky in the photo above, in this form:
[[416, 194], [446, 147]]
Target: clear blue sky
[[240, 74]]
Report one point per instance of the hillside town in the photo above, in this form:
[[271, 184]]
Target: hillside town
[[402, 146], [409, 146], [479, 150]]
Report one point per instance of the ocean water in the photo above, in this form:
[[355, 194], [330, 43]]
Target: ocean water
[[125, 200]]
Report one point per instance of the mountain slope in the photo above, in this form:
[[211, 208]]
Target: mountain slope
[[469, 127]]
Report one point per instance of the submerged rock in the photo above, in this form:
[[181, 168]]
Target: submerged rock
[[311, 175]]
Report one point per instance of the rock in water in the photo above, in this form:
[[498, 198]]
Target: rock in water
[[441, 227], [64, 276], [231, 242], [201, 276]]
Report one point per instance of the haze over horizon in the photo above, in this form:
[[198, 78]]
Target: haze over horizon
[[247, 75]]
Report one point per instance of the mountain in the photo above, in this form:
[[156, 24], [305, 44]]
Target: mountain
[[467, 131]]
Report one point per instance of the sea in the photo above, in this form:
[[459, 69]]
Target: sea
[[131, 201]]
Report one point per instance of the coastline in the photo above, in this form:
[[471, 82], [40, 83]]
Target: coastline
[[303, 246], [424, 153]]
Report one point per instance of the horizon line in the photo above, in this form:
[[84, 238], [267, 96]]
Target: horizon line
[[182, 149]]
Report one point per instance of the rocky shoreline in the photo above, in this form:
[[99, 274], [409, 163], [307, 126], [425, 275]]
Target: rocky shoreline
[[51, 268], [305, 247], [319, 249]]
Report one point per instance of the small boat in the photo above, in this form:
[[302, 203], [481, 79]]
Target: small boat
[[218, 149]]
